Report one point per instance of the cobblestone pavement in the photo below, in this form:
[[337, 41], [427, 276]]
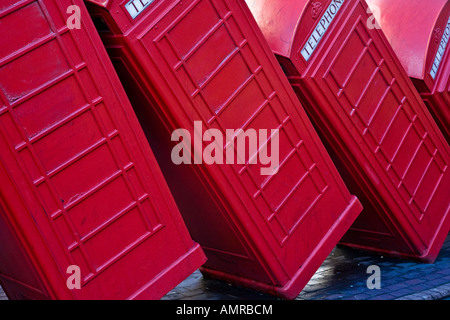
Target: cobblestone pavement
[[2, 294], [342, 276]]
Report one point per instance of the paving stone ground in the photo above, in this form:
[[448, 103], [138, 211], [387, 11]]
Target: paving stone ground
[[2, 295], [342, 276]]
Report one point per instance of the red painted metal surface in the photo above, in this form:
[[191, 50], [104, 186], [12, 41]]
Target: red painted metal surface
[[368, 113], [207, 61], [419, 36], [79, 183]]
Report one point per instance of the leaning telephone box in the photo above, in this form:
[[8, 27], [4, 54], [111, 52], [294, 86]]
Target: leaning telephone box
[[196, 67], [85, 212], [421, 42], [384, 141]]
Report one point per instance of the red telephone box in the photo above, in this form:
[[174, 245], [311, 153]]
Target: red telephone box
[[421, 43], [205, 62], [85, 212], [381, 136]]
